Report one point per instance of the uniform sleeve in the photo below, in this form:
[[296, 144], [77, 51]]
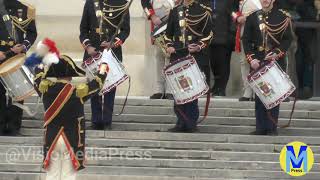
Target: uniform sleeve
[[31, 35], [147, 8], [247, 39], [85, 24], [168, 38], [207, 32], [41, 85], [124, 31], [86, 90]]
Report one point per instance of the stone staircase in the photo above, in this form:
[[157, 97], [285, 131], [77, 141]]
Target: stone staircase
[[140, 148]]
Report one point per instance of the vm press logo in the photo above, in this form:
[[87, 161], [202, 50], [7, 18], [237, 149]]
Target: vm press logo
[[296, 158]]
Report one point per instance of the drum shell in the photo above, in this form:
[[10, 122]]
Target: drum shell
[[117, 73], [271, 85], [186, 81], [18, 80]]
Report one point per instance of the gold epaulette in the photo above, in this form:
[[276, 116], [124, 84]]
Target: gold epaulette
[[82, 90], [31, 14], [285, 12], [206, 7], [44, 85]]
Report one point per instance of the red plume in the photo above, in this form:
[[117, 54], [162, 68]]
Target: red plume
[[51, 45]]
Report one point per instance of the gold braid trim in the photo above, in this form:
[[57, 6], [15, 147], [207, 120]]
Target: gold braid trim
[[44, 85], [22, 25], [82, 90], [191, 23], [69, 61], [271, 32]]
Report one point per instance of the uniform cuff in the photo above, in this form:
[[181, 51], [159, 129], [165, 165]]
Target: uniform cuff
[[149, 12], [26, 45], [118, 42], [250, 58], [86, 43]]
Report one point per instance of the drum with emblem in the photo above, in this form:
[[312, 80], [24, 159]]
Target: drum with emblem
[[17, 78], [117, 73], [186, 81], [271, 84]]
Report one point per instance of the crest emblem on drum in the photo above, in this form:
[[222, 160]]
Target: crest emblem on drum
[[265, 88], [185, 83]]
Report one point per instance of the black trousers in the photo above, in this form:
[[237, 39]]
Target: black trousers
[[220, 57], [103, 115], [10, 116], [263, 123], [304, 59]]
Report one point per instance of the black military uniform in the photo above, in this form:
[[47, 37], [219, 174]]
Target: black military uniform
[[223, 44], [64, 108], [99, 22], [277, 39], [187, 25], [17, 26]]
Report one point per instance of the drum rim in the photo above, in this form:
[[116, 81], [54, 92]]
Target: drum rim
[[114, 85], [197, 96], [85, 62], [23, 97], [15, 68], [255, 74], [178, 61]]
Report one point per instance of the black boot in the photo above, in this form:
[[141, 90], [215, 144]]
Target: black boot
[[157, 96]]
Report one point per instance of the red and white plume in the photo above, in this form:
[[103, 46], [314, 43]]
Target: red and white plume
[[48, 51]]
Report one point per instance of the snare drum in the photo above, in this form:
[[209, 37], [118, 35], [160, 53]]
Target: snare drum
[[117, 73], [271, 84], [91, 65], [185, 79], [17, 78]]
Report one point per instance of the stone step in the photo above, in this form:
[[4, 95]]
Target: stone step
[[215, 103], [217, 129], [220, 112], [173, 137], [152, 171], [21, 153], [146, 161], [169, 119], [172, 145], [83, 176]]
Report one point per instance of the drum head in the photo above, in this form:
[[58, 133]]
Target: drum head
[[12, 64]]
